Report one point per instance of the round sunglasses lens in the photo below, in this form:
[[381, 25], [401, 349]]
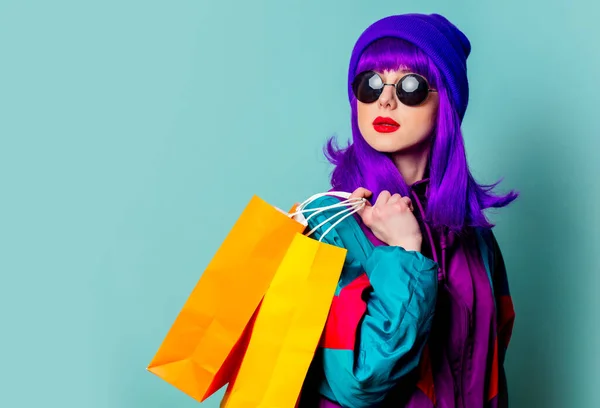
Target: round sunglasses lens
[[367, 86], [412, 90]]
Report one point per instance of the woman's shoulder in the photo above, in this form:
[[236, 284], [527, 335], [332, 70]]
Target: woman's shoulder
[[342, 230], [323, 201], [485, 238], [340, 227], [488, 248]]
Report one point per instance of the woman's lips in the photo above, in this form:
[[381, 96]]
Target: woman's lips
[[385, 125]]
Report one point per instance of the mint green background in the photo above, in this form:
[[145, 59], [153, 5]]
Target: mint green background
[[134, 132]]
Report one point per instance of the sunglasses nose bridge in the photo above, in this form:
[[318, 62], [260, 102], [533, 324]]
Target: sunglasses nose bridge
[[388, 96]]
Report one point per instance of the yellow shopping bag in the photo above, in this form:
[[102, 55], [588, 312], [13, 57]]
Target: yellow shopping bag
[[203, 348], [288, 327]]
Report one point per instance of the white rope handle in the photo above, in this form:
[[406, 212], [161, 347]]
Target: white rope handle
[[349, 210], [318, 210], [358, 208], [347, 203], [341, 194], [352, 205]]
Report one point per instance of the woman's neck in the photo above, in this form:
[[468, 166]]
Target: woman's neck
[[412, 164]]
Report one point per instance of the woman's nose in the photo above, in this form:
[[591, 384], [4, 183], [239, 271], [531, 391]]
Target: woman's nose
[[388, 97]]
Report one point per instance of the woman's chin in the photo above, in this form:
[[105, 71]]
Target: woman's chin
[[396, 145], [388, 147]]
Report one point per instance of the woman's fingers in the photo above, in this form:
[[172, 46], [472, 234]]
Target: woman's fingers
[[386, 198], [361, 192], [395, 198], [383, 198]]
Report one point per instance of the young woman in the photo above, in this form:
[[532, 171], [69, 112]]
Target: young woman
[[422, 315]]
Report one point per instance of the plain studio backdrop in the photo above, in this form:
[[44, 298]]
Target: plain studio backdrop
[[134, 132]]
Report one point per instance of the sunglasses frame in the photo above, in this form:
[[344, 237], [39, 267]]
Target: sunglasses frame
[[395, 85]]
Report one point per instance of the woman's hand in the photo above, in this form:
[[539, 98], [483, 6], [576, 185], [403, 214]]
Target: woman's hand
[[391, 219]]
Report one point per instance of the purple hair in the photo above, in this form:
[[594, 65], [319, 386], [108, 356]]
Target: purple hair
[[454, 199]]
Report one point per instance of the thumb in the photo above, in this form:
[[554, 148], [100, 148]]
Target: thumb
[[366, 213], [409, 203], [364, 205]]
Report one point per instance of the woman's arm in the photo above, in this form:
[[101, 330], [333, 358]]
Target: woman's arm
[[379, 320]]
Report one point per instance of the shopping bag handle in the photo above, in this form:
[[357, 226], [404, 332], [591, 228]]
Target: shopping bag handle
[[352, 205], [341, 194], [350, 212]]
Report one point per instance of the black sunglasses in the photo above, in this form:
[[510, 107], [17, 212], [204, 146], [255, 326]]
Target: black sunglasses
[[411, 89]]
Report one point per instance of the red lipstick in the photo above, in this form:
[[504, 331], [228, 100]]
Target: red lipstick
[[385, 125]]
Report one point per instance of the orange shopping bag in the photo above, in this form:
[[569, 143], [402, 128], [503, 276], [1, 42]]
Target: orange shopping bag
[[289, 324], [203, 346], [203, 349]]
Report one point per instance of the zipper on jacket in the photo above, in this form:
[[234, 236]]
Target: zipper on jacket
[[441, 271]]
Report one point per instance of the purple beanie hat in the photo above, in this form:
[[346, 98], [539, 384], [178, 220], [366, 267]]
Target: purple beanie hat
[[437, 37]]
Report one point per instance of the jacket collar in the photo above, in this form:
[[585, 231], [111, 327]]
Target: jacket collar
[[421, 187]]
